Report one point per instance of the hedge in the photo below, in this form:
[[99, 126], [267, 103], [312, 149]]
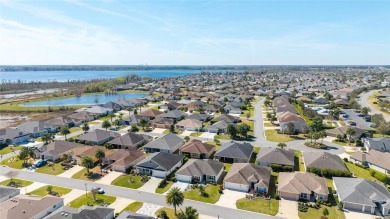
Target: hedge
[[329, 172], [380, 176]]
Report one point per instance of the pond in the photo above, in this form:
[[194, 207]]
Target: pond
[[85, 99]]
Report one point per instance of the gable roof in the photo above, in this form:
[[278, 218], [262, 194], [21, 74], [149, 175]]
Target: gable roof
[[218, 125], [235, 150], [124, 157], [10, 133], [301, 182], [190, 123], [227, 118], [33, 126], [6, 191], [168, 141], [196, 146], [276, 156], [59, 146], [323, 160], [375, 157], [343, 130], [129, 139], [151, 113], [160, 161], [195, 167], [85, 212], [98, 135], [173, 114], [245, 173], [380, 144], [132, 215]]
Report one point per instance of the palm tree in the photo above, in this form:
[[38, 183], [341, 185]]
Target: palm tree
[[26, 153], [47, 138], [350, 132], [129, 109], [100, 155], [189, 213], [144, 123], [85, 127], [87, 162], [175, 197], [65, 131], [106, 124], [322, 135], [282, 145]]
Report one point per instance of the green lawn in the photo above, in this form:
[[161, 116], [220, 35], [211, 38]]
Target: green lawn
[[13, 162], [268, 124], [134, 207], [43, 192], [314, 213], [212, 194], [329, 183], [9, 149], [196, 134], [360, 172], [299, 161], [272, 135], [341, 143], [124, 181], [17, 107], [83, 200], [55, 169], [270, 207], [170, 212], [81, 175], [23, 183], [165, 188], [222, 136], [227, 166], [93, 123]]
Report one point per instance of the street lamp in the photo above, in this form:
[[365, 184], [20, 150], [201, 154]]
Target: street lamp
[[86, 190]]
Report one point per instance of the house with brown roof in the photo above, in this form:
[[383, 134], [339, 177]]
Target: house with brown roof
[[197, 149], [130, 141], [54, 150], [79, 117], [122, 160], [302, 186], [343, 132], [245, 177], [78, 153], [163, 123], [287, 117], [323, 160], [227, 118], [151, 113], [98, 137], [189, 125], [377, 160], [269, 155], [200, 171]]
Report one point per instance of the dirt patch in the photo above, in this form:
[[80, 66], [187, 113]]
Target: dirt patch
[[14, 119]]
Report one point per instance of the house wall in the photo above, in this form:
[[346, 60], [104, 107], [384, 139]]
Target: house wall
[[183, 178], [118, 168], [290, 196], [236, 187], [359, 207], [20, 140]]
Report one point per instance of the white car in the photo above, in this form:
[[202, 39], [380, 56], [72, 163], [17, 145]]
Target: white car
[[99, 190]]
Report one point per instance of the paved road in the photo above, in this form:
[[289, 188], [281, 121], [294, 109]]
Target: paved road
[[360, 122], [147, 197], [295, 144], [364, 103]]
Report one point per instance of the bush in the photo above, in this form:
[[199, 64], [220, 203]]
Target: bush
[[361, 166], [329, 172], [316, 145], [345, 159], [281, 168], [277, 197], [163, 183], [380, 176]]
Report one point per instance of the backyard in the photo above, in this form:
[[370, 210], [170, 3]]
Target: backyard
[[88, 199], [298, 161], [359, 172]]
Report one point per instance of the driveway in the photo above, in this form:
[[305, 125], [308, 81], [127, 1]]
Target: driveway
[[32, 187], [358, 215], [107, 179], [120, 203], [72, 195], [151, 185], [158, 130], [69, 173], [187, 133], [229, 198], [207, 135], [288, 209], [149, 209], [181, 185]]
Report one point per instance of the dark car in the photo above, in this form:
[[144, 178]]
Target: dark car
[[40, 163]]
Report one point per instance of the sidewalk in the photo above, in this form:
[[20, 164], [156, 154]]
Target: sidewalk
[[120, 203], [72, 195], [32, 187]]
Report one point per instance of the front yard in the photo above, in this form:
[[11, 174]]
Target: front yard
[[13, 162], [9, 149], [56, 189], [20, 182], [133, 182], [165, 188], [212, 194], [273, 135], [54, 169], [260, 205], [84, 200], [314, 213], [82, 174], [134, 207]]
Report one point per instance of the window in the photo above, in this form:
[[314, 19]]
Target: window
[[304, 195]]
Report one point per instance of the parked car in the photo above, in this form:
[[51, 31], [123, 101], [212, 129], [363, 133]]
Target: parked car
[[114, 129], [351, 123], [98, 189], [41, 163], [367, 118], [374, 125], [360, 115]]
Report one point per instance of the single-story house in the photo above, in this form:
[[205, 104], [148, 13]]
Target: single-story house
[[59, 122], [169, 143], [379, 161], [269, 155], [189, 125], [341, 102], [287, 117], [245, 177], [7, 193], [343, 132], [201, 117], [54, 150], [218, 127], [130, 141], [323, 160], [135, 119], [78, 153], [159, 164], [234, 152], [197, 149], [200, 171], [13, 136], [132, 215], [379, 144], [176, 115], [362, 195], [122, 160], [98, 137], [112, 105], [302, 186], [81, 117], [97, 110], [84, 212], [227, 118], [36, 128], [163, 123], [151, 113]]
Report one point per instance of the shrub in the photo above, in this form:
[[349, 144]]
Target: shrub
[[345, 159], [380, 176], [281, 168], [277, 197], [361, 166], [329, 172], [316, 145]]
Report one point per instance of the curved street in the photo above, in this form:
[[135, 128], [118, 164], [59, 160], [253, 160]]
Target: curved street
[[364, 103]]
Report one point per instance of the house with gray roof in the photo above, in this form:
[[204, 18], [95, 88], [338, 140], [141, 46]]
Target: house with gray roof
[[55, 149], [362, 195], [132, 215], [200, 171], [218, 127], [59, 122], [7, 193], [98, 136], [159, 164], [135, 119], [271, 155], [13, 136], [130, 141], [323, 160], [227, 118], [379, 144], [169, 143], [176, 115], [377, 160], [36, 128], [234, 152], [201, 117], [247, 177], [84, 212]]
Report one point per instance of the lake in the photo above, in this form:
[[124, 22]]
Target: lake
[[85, 99], [45, 76]]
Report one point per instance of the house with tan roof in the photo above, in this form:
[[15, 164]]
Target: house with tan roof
[[269, 155], [122, 160], [151, 113], [98, 137], [200, 171], [54, 150], [288, 117], [130, 141], [323, 160], [197, 149], [377, 160], [245, 177], [302, 186], [189, 125]]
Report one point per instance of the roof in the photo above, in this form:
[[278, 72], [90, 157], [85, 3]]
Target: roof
[[168, 141], [98, 135], [235, 150], [173, 114], [196, 146], [375, 157], [26, 206], [151, 113], [59, 121], [361, 191], [129, 139], [83, 116], [124, 157], [245, 173], [33, 126], [195, 167], [59, 146], [276, 156], [301, 182], [84, 212], [132, 215], [218, 125], [160, 161], [323, 160], [227, 118], [6, 191], [343, 130], [10, 133], [88, 151], [290, 117], [190, 123], [380, 144], [201, 117]]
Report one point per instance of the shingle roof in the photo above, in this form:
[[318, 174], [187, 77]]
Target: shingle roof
[[33, 126], [235, 150], [190, 123], [95, 212], [301, 182], [244, 173], [196, 146], [131, 215], [168, 141], [128, 139], [160, 161], [98, 135], [276, 156], [7, 191], [323, 160], [381, 159], [10, 133], [195, 167]]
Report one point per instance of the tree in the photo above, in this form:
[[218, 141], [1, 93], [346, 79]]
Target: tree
[[269, 116], [189, 213], [174, 197], [267, 103], [116, 123], [350, 132], [365, 110], [317, 124], [134, 128], [248, 115], [85, 127], [232, 130], [106, 124], [186, 138], [64, 131], [322, 135], [163, 215], [325, 212], [202, 190], [135, 112], [11, 175], [87, 162], [377, 119], [112, 116], [129, 109], [47, 138], [25, 154], [290, 129], [221, 109], [282, 145], [144, 123], [273, 119], [49, 189], [172, 128], [339, 138], [384, 128], [243, 130], [100, 155]]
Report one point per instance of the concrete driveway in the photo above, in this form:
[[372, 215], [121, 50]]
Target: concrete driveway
[[181, 185], [107, 179], [148, 209], [72, 195], [288, 209], [158, 130], [208, 135], [69, 173], [32, 187], [187, 133], [229, 198], [151, 185], [120, 203], [358, 215]]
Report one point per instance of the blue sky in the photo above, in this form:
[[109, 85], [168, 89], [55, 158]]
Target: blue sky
[[194, 32]]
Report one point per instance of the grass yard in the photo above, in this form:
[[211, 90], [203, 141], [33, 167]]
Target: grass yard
[[82, 174], [84, 200], [222, 136], [55, 169], [134, 207], [211, 197], [93, 123], [268, 124], [227, 166], [360, 172], [170, 212], [124, 181], [9, 149], [311, 213], [17, 107], [13, 162], [165, 188], [341, 143], [43, 192], [196, 134], [299, 166], [270, 207], [273, 135], [23, 183]]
